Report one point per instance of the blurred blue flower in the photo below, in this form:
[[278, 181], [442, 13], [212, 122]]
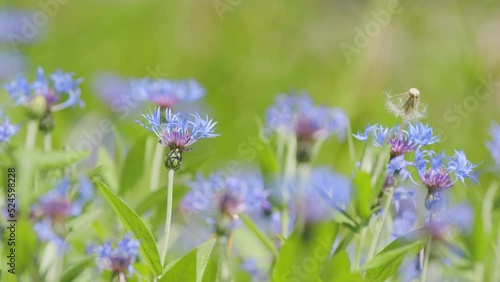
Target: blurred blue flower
[[45, 233], [494, 144], [117, 260], [11, 64], [222, 194], [60, 84], [56, 206], [296, 114], [331, 186], [250, 266], [14, 27], [167, 93], [442, 223], [7, 129], [401, 141], [442, 173], [177, 132], [113, 89], [405, 207]]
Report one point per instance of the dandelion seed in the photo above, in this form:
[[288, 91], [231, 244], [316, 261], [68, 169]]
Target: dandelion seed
[[406, 105], [178, 133]]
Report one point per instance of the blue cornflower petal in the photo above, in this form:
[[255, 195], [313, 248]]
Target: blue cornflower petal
[[7, 129], [19, 89]]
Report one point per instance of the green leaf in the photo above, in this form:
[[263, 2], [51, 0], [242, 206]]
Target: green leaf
[[108, 173], [338, 269], [132, 221], [73, 270], [364, 194], [386, 263], [262, 237], [192, 266], [304, 256]]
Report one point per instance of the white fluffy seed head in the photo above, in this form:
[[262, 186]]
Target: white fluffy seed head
[[414, 92]]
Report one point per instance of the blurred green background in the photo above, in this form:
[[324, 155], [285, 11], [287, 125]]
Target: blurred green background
[[244, 52]]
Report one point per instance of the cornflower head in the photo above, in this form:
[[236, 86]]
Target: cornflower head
[[221, 197], [401, 141], [332, 187], [118, 260], [296, 115], [178, 132], [7, 129], [43, 96], [406, 105], [56, 206], [439, 172], [167, 93], [494, 145]]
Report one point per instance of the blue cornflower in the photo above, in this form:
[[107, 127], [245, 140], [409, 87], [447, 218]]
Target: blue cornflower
[[117, 260], [222, 196], [401, 141], [177, 132], [52, 90], [332, 187], [56, 206], [494, 144], [113, 89], [167, 93], [297, 115], [13, 25], [438, 172], [7, 129]]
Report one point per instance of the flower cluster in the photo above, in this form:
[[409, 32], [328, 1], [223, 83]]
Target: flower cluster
[[51, 90], [438, 172], [401, 141], [167, 93], [117, 260], [220, 197], [56, 206], [7, 129]]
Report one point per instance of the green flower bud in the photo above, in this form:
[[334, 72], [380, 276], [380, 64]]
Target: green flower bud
[[37, 107], [173, 159], [47, 122]]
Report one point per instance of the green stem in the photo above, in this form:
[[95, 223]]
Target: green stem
[[427, 252], [31, 131], [288, 173], [359, 247], [224, 264], [47, 142], [380, 225], [154, 181], [169, 216]]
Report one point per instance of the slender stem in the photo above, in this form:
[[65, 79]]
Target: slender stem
[[380, 225], [169, 216], [154, 181], [359, 247], [31, 131], [427, 252], [47, 142], [224, 264], [121, 277], [288, 173]]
